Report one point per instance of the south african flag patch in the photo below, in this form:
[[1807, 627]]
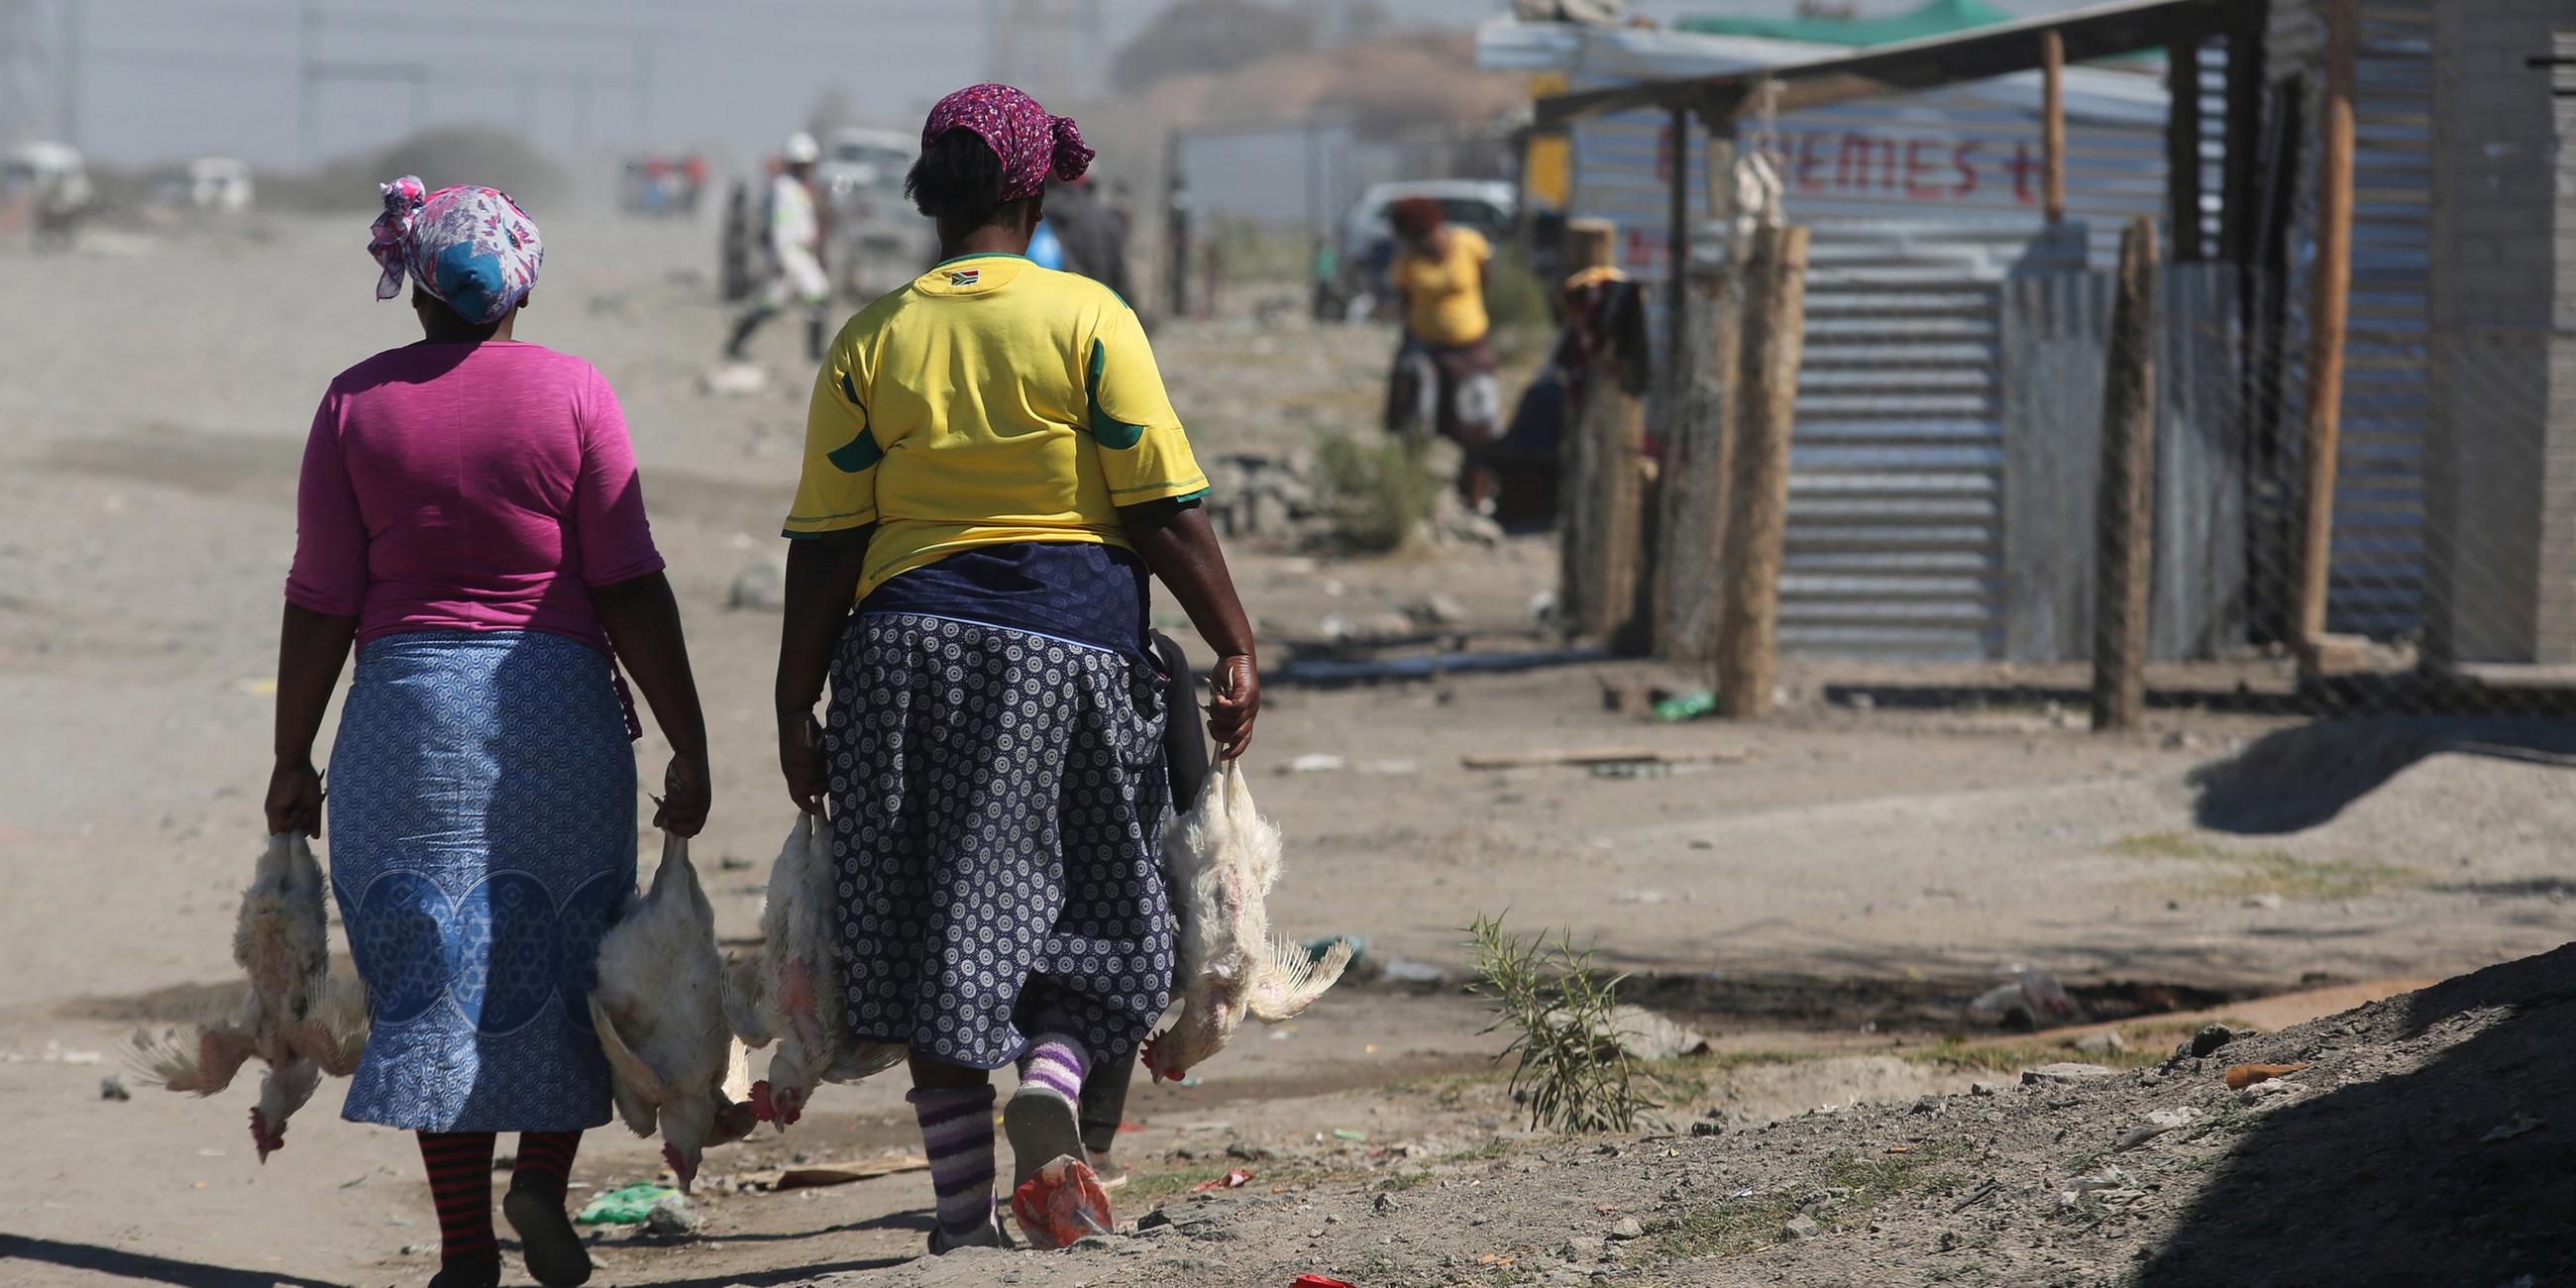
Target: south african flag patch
[[965, 276]]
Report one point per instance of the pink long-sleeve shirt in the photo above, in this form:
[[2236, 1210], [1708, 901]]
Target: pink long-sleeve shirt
[[479, 487]]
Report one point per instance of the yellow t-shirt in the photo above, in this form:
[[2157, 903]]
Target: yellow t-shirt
[[990, 401], [1444, 298]]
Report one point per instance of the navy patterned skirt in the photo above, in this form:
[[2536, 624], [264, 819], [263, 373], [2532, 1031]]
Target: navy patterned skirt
[[997, 802], [482, 834]]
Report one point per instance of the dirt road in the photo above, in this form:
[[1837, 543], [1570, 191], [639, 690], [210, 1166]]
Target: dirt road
[[156, 402]]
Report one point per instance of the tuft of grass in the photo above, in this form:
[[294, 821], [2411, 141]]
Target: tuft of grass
[[1737, 1227], [2245, 873], [1146, 1189], [1377, 495], [1996, 1057], [1568, 1065], [1516, 299]]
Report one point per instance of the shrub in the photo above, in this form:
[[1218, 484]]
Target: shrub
[[1570, 1069], [1376, 494]]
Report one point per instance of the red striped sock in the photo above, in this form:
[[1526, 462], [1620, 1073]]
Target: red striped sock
[[545, 1161], [460, 1181]]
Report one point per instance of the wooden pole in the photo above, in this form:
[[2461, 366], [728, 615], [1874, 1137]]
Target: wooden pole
[[2124, 512], [1691, 504], [1757, 519], [1677, 257], [1607, 536], [2182, 151], [2052, 125], [1589, 243], [2327, 319]]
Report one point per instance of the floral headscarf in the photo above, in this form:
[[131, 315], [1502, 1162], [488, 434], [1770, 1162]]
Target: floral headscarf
[[1031, 143], [471, 248]]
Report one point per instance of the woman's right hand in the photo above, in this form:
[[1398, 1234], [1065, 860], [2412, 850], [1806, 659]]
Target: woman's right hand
[[294, 801], [686, 793], [800, 758], [1236, 686]]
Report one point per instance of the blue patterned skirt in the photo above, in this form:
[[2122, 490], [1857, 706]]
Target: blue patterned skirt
[[997, 804], [482, 838]]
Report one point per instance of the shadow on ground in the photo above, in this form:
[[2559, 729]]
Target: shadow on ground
[[2462, 1172], [2295, 779], [116, 1263]]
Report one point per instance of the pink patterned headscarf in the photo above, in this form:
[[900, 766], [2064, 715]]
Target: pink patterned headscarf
[[471, 248], [1031, 143]]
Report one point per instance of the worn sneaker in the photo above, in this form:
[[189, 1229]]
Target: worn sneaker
[[1043, 1127], [988, 1236]]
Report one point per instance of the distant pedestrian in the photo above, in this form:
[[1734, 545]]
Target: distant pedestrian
[[1444, 375], [792, 245]]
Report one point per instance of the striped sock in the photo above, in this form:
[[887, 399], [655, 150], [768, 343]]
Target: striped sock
[[957, 1135], [1056, 1063], [545, 1162], [460, 1182]]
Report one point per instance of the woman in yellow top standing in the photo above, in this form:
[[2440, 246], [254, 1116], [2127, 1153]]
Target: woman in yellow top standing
[[1444, 370], [992, 470]]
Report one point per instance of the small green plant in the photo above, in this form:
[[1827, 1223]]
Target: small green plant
[[1377, 494], [1515, 298], [1569, 1066], [2246, 873]]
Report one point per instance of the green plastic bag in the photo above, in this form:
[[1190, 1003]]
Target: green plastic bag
[[628, 1206]]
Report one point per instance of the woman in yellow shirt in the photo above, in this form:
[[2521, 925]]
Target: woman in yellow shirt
[[1444, 369], [992, 470]]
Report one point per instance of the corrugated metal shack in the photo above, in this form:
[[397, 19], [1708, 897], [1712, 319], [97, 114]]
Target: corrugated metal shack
[[1942, 454]]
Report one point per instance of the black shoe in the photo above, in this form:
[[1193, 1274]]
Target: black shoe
[[553, 1249], [484, 1272]]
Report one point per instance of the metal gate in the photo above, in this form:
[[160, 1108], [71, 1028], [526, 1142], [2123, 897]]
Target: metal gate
[[1896, 463]]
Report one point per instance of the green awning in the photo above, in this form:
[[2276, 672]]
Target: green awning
[[1937, 18]]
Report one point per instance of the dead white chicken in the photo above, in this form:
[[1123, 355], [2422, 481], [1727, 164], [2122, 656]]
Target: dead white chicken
[[1222, 858], [659, 1011], [790, 992], [296, 1017]]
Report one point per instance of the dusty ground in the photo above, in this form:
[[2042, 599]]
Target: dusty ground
[[1860, 867]]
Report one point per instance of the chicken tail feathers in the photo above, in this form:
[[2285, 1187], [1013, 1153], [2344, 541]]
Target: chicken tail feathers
[[198, 1060], [1285, 981]]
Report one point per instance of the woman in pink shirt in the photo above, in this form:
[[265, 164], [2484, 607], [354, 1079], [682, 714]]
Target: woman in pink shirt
[[469, 518]]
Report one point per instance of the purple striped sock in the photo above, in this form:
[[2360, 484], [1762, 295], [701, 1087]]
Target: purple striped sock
[[957, 1136], [1057, 1063]]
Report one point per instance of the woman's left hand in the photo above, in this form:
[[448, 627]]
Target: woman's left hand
[[686, 793], [801, 759], [295, 799]]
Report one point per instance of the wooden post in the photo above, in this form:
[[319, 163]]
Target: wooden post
[[2182, 151], [1605, 536], [1757, 519], [1589, 243], [2124, 509], [2052, 125], [1692, 494], [1677, 257], [2327, 319]]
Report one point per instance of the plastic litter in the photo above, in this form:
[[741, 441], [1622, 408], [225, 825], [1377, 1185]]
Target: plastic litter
[[1062, 1205], [1686, 706], [1345, 1133], [1234, 1180], [632, 1205], [2241, 1076]]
